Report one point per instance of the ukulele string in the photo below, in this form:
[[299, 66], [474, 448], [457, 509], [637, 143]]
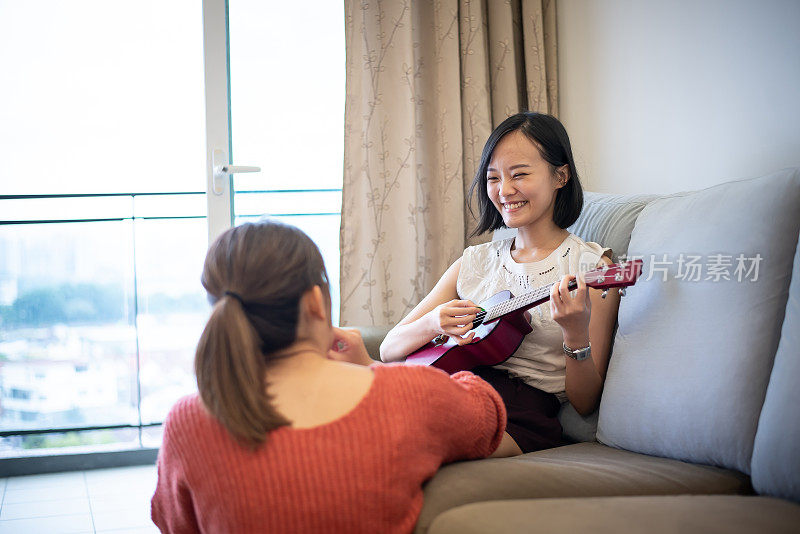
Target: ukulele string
[[513, 304], [498, 310]]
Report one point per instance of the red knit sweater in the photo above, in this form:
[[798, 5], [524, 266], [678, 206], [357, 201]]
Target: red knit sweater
[[362, 472]]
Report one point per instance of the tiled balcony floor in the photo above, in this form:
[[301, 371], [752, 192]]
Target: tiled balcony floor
[[95, 501]]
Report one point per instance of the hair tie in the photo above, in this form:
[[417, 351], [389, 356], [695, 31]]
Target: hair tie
[[236, 296]]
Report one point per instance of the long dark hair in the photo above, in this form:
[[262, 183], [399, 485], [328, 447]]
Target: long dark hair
[[550, 136], [255, 275]]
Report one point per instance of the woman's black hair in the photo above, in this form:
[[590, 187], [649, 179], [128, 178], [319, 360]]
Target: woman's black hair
[[550, 136]]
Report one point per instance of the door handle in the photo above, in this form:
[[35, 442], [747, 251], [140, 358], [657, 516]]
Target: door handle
[[221, 168], [230, 169]]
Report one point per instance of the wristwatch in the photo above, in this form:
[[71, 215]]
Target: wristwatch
[[579, 354]]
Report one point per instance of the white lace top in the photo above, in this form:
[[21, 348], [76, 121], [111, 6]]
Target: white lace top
[[489, 268]]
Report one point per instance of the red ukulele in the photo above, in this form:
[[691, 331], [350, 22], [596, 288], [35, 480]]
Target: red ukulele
[[499, 329]]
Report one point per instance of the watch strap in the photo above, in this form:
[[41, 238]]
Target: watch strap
[[578, 354]]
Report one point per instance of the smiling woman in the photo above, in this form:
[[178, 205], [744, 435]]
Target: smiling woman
[[522, 193], [526, 180], [531, 149]]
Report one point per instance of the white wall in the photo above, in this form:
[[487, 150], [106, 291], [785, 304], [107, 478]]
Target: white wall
[[663, 96]]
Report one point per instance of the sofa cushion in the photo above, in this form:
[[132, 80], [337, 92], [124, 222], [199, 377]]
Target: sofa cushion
[[577, 428], [580, 470], [692, 358], [609, 219], [776, 454], [684, 514]]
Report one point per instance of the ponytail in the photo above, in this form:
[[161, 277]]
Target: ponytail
[[230, 371]]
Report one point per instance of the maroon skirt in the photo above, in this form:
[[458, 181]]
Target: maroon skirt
[[532, 413]]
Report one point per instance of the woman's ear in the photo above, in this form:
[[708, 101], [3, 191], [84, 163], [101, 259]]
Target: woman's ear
[[314, 303], [562, 175]]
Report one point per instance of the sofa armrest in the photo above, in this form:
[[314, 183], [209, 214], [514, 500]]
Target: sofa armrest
[[373, 336]]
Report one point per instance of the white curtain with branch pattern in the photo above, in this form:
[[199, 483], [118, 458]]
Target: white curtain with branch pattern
[[426, 83]]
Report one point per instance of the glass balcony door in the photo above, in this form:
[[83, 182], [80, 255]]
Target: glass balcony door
[[275, 100], [114, 117]]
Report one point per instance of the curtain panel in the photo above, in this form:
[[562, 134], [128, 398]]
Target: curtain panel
[[427, 81]]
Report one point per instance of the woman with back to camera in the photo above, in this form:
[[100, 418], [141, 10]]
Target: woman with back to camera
[[526, 180], [287, 434]]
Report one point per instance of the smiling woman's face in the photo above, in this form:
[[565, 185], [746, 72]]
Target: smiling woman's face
[[520, 183]]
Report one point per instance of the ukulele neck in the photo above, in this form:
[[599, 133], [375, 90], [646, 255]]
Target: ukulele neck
[[523, 302]]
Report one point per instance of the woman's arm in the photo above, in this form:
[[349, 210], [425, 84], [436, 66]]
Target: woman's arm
[[440, 312], [171, 507], [584, 381], [464, 414]]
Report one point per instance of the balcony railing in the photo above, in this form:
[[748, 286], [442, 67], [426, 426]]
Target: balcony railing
[[101, 308]]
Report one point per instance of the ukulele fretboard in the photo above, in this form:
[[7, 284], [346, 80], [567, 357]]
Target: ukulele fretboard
[[522, 302]]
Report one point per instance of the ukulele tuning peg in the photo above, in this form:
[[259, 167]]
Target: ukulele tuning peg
[[603, 295], [621, 291]]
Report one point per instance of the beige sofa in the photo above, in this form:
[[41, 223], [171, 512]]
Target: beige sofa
[[698, 429]]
